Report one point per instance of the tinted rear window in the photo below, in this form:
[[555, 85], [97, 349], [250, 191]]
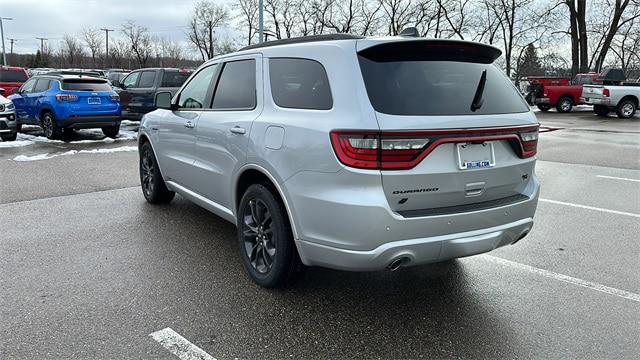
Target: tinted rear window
[[299, 83], [236, 88], [13, 76], [417, 87], [86, 85], [174, 78]]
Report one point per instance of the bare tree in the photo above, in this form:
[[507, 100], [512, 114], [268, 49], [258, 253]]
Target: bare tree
[[93, 39], [398, 14], [248, 15], [72, 50], [207, 16], [140, 41]]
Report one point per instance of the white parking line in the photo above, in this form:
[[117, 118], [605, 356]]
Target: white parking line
[[590, 208], [179, 346], [617, 178], [571, 280]]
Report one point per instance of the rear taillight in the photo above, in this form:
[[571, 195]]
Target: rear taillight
[[529, 142], [378, 150], [606, 93], [66, 97], [389, 150], [115, 97]]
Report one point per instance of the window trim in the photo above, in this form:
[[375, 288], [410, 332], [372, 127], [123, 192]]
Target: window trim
[[217, 83], [273, 100]]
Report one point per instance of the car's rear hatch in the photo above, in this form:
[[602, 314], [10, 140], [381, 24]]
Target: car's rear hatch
[[451, 126], [90, 96]]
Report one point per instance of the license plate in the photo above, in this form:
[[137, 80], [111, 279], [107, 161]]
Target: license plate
[[93, 100], [475, 156]]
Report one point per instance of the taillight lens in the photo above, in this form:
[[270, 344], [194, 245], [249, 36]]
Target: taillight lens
[[115, 97], [66, 97], [529, 142], [606, 93], [388, 150]]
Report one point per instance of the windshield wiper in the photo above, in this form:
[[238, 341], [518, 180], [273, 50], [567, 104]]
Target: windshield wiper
[[477, 98]]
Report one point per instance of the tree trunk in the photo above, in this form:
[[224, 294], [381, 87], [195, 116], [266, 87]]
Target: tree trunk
[[575, 43], [613, 30], [582, 28]]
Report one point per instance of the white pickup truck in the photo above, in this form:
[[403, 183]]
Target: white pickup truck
[[623, 98]]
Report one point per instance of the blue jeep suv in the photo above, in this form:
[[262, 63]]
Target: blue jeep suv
[[63, 102]]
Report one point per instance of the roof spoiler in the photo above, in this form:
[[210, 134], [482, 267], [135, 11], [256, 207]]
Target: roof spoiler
[[432, 50]]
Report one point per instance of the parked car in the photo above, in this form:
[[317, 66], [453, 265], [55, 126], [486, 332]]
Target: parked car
[[62, 102], [78, 72], [116, 76], [348, 152], [12, 77], [138, 89], [562, 96], [8, 123], [623, 98]]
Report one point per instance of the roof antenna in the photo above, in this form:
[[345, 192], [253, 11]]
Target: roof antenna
[[410, 31]]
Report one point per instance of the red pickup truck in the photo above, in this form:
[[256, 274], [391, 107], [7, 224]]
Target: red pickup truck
[[11, 77], [559, 93]]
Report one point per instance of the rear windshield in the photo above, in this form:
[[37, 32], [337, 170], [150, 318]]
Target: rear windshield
[[428, 87], [12, 76], [85, 85], [174, 78]]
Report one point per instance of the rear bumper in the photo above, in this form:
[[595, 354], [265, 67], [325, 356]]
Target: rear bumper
[[83, 122], [595, 101], [345, 222], [415, 251], [131, 115], [542, 100]]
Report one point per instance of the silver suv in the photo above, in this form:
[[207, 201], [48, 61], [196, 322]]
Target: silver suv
[[349, 153]]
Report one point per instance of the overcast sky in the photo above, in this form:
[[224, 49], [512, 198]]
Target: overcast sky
[[53, 18]]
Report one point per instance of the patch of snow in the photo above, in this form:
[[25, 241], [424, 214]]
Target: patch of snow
[[74, 152], [28, 139]]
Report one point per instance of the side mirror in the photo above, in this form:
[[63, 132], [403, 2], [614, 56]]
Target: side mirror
[[15, 91], [163, 100], [116, 83]]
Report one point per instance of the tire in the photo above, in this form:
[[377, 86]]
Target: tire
[[626, 109], [564, 105], [111, 131], [265, 239], [153, 187], [601, 110], [544, 107], [9, 137], [50, 127]]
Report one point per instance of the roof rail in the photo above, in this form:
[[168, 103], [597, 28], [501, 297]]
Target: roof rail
[[303, 39]]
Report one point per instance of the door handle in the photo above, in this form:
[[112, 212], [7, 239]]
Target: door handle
[[189, 124], [237, 130]]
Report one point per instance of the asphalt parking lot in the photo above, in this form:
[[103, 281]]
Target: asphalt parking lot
[[89, 270]]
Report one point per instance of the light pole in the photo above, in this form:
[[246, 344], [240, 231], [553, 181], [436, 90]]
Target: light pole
[[42, 40], [4, 53], [106, 55], [260, 21]]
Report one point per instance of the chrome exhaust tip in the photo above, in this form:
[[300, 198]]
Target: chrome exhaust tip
[[397, 263]]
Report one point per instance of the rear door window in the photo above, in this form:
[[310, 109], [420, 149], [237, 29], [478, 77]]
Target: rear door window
[[85, 85], [147, 79], [42, 85], [236, 88], [399, 85]]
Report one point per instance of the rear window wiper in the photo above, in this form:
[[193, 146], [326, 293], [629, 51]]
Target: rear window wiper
[[477, 98]]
